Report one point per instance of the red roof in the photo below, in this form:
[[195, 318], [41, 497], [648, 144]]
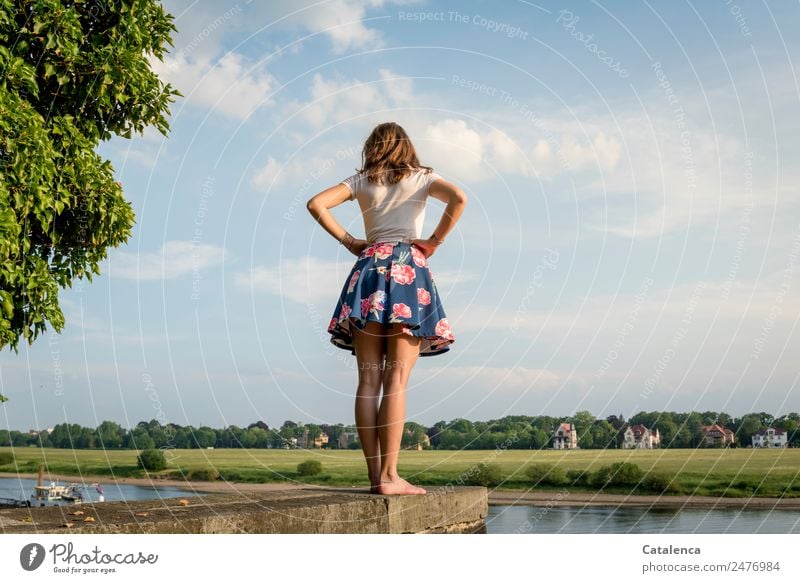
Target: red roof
[[715, 427]]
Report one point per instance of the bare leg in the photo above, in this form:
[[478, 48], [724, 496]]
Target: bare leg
[[402, 351], [370, 345]]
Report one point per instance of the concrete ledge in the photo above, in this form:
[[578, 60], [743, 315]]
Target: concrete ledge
[[302, 510]]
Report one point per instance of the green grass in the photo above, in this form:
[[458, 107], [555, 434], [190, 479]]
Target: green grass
[[715, 472]]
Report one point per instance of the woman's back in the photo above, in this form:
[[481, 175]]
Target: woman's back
[[392, 211]]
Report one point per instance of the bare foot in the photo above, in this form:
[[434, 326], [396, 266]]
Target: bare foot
[[398, 486]]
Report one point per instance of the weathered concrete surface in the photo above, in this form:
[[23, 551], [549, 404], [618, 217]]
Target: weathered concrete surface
[[303, 510]]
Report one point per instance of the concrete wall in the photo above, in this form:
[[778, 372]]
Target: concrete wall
[[304, 510]]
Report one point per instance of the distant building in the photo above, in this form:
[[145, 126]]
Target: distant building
[[640, 437], [306, 441], [420, 445], [321, 440], [770, 437], [346, 438], [714, 435], [565, 437]]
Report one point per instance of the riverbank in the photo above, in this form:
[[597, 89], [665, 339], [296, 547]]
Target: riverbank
[[562, 498], [496, 497]]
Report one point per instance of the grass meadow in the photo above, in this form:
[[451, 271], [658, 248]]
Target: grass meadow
[[719, 472]]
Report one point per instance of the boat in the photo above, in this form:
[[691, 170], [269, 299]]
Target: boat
[[57, 495]]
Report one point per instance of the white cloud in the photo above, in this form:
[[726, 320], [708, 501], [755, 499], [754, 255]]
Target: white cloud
[[311, 279], [271, 174], [303, 279], [518, 378], [174, 259], [230, 85], [341, 21], [474, 154]]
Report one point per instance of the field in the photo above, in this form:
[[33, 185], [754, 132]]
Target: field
[[716, 472]]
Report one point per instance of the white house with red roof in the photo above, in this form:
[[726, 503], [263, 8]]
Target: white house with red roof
[[640, 437], [716, 434], [565, 437], [770, 437]]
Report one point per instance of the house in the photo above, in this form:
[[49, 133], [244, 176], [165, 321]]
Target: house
[[346, 438], [420, 445], [306, 441], [640, 437], [321, 439], [770, 437], [565, 437], [714, 435]]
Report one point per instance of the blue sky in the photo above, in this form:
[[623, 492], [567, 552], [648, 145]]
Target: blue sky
[[631, 240]]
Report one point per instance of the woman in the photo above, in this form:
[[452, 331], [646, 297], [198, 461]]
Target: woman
[[389, 311]]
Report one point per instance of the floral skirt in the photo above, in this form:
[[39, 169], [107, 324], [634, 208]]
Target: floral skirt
[[391, 282]]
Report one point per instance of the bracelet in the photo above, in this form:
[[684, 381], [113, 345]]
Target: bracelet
[[346, 237], [438, 241]]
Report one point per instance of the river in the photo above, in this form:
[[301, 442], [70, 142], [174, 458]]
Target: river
[[23, 488], [521, 519]]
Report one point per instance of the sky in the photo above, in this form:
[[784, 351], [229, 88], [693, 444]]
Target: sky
[[631, 238]]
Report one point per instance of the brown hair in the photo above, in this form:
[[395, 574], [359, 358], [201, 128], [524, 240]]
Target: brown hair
[[389, 155]]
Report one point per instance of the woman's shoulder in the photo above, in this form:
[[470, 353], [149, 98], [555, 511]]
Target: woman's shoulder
[[422, 172]]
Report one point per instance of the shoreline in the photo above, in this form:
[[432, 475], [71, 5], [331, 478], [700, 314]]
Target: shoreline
[[496, 497]]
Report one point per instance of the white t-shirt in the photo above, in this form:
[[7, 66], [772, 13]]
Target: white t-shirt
[[392, 211]]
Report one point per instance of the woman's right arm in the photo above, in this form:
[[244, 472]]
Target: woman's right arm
[[456, 200]]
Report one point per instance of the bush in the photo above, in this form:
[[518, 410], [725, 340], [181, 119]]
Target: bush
[[354, 445], [747, 484], [6, 458], [484, 474], [309, 468], [578, 477], [618, 474], [660, 484], [546, 474], [152, 460], [204, 475]]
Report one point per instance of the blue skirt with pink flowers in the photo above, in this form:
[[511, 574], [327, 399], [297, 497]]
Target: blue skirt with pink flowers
[[391, 282]]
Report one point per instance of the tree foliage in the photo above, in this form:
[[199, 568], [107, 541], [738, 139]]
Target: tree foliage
[[152, 460], [74, 73]]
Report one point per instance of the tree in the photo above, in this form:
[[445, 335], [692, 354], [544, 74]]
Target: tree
[[139, 439], [747, 426], [583, 421], [73, 76], [603, 434], [413, 434], [109, 434]]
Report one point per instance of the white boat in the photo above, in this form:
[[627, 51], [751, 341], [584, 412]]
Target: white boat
[[55, 495]]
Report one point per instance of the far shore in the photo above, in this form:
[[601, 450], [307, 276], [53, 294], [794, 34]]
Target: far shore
[[496, 497]]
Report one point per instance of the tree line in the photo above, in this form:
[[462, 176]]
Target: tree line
[[677, 430]]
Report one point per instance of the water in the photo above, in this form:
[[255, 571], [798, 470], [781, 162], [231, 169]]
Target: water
[[23, 488], [636, 520]]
